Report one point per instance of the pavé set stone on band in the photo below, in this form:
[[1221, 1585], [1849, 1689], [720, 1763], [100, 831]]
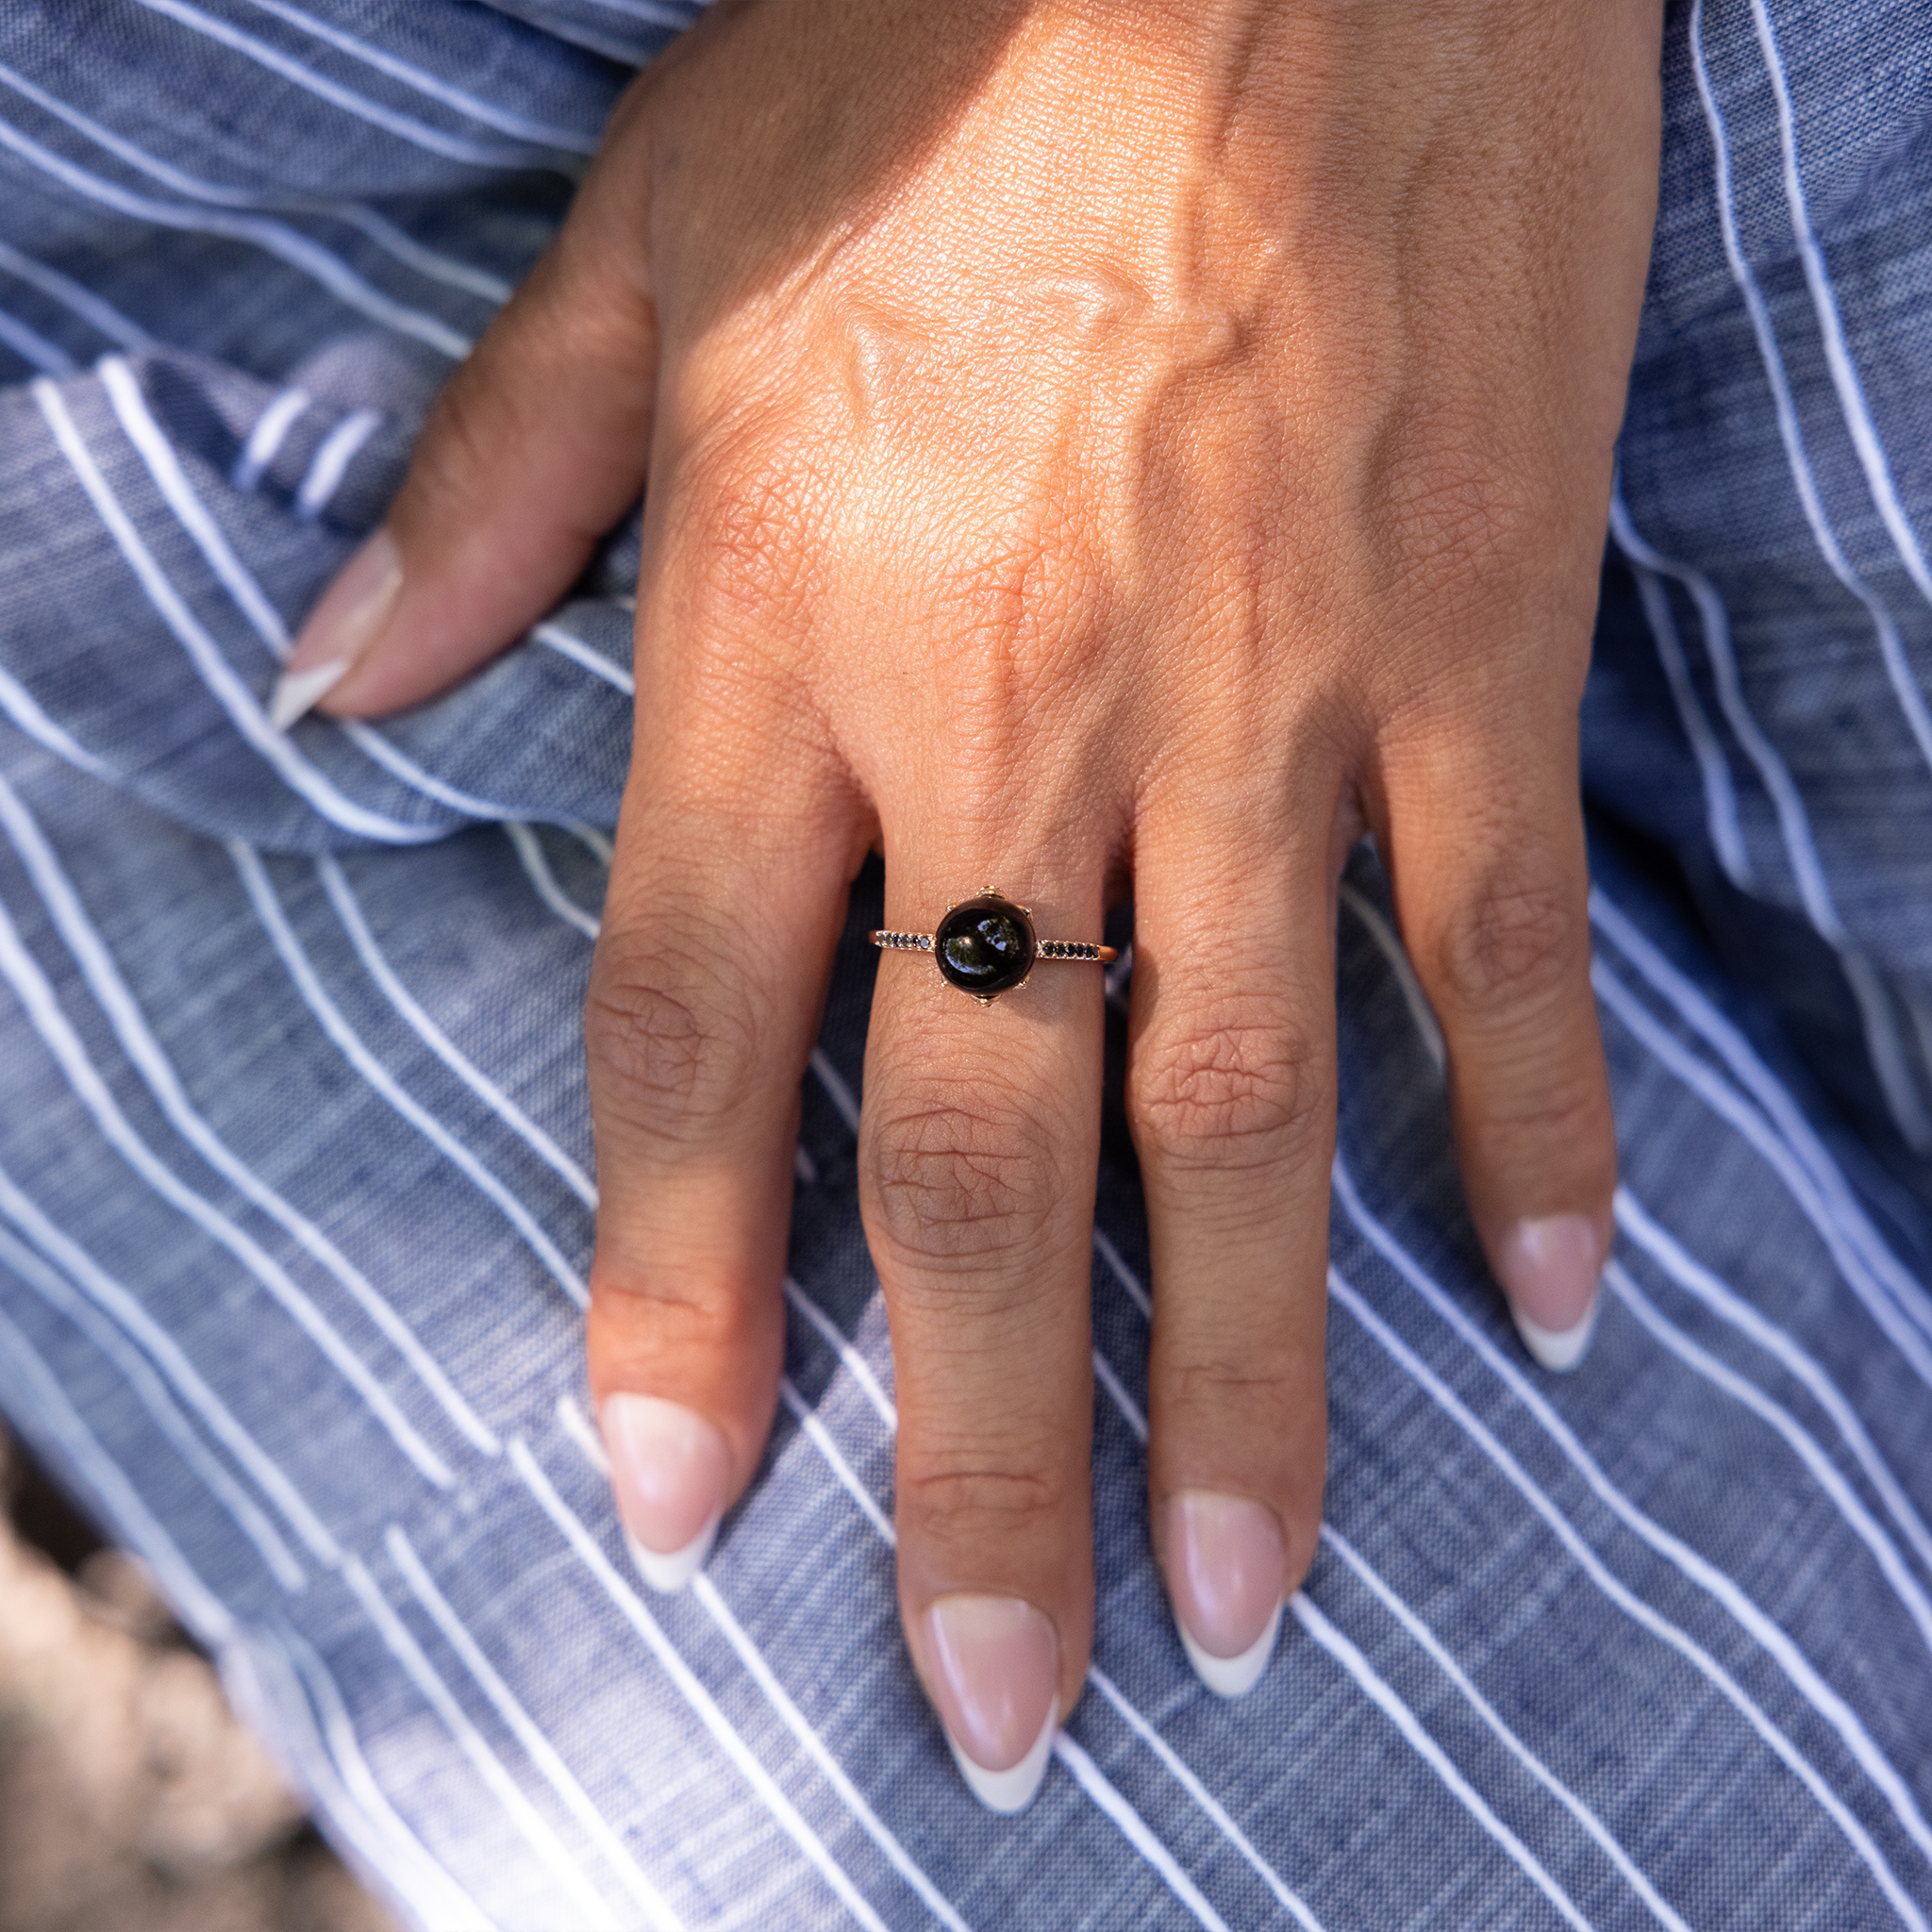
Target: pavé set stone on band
[[986, 946]]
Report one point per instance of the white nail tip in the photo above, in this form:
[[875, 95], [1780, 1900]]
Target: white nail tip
[[1010, 1790], [298, 692], [1559, 1349], [668, 1575], [1232, 1676]]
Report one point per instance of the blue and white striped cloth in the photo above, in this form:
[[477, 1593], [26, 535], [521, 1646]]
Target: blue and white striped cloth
[[295, 1189]]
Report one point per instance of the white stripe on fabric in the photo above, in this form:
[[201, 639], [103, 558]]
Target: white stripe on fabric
[[371, 744], [38, 1392], [1385, 1700], [277, 238], [1691, 1564], [833, 1081], [435, 141], [686, 1682], [268, 908], [537, 1746], [529, 851], [592, 839], [383, 232], [101, 315], [575, 648], [1794, 825], [1837, 354], [1731, 1106], [61, 1296], [164, 465], [1702, 1017], [399, 242], [435, 1897], [157, 455], [1177, 1768], [835, 1339], [331, 460], [1726, 1303], [341, 896], [803, 1165], [216, 673], [1133, 1828], [714, 1605], [1714, 771], [1822, 1698], [490, 113], [1892, 650], [266, 438], [144, 1053], [1118, 1268], [1627, 1601], [654, 13], [534, 1828], [581, 1431], [162, 1348], [1421, 1015], [32, 347], [1130, 1408], [43, 1009], [821, 1438], [1741, 1390], [24, 708], [1366, 1573]]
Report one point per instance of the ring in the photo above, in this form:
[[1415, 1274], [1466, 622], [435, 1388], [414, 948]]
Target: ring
[[985, 946]]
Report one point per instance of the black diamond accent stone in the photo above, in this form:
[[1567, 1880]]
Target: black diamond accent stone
[[985, 946]]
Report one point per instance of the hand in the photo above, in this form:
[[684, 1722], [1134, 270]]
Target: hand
[[1085, 445]]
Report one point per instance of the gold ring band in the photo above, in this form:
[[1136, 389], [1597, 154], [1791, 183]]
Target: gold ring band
[[985, 946]]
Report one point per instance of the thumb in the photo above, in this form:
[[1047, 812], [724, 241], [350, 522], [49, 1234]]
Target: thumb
[[533, 451]]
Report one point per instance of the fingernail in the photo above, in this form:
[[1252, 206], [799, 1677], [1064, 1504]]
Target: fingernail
[[1224, 1572], [1549, 1270], [339, 629], [668, 1472], [995, 1668]]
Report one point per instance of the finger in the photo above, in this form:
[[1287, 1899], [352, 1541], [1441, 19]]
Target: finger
[[726, 902], [1491, 886], [533, 451], [1231, 1098], [980, 1142]]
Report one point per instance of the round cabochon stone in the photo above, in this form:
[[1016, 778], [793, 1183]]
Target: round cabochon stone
[[985, 946]]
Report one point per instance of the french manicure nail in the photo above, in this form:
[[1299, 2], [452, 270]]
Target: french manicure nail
[[1550, 1269], [995, 1670], [669, 1471], [1226, 1568], [339, 629]]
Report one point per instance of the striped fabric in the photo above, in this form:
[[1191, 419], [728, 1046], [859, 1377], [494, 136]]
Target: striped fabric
[[296, 1176]]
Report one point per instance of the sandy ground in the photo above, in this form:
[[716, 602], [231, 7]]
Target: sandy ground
[[130, 1798]]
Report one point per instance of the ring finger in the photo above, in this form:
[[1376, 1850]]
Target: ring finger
[[981, 1142]]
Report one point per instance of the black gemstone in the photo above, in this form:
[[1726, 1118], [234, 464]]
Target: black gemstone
[[985, 946]]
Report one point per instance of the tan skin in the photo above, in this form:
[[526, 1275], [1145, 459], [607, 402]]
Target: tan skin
[[1090, 448]]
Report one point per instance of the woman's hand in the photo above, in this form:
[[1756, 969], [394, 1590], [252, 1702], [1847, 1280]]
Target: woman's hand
[[1087, 445]]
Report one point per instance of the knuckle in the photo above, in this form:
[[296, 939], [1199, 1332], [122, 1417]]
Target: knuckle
[[1242, 1084], [671, 1048], [745, 539], [1459, 517], [1514, 939], [1235, 1378], [962, 1177], [973, 1507]]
